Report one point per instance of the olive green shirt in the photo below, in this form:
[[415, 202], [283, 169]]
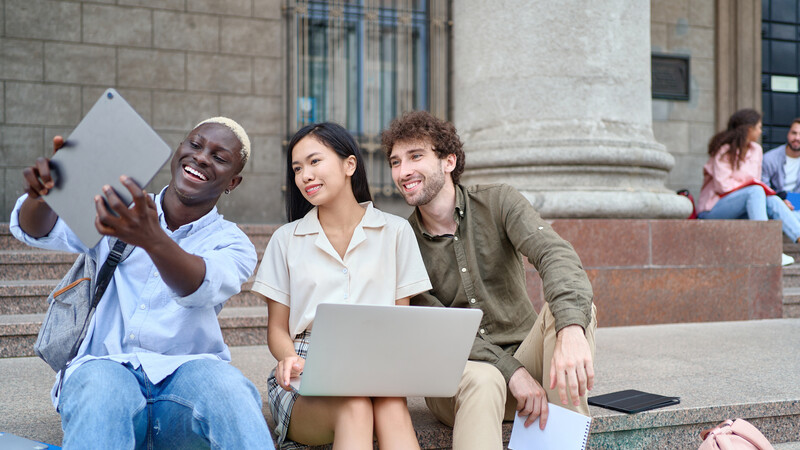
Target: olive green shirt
[[480, 266]]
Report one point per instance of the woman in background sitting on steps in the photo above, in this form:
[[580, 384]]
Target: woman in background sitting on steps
[[732, 187], [337, 248]]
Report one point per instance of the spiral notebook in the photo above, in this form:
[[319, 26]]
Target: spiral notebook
[[565, 430]]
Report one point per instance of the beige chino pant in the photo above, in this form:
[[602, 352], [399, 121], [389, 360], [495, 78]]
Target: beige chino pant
[[482, 400]]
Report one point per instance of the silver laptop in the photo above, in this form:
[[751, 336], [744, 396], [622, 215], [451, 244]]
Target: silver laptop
[[110, 141], [387, 351]]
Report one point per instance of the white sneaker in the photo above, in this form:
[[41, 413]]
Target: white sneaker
[[786, 259]]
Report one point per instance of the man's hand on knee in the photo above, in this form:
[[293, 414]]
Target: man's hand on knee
[[531, 397], [572, 367]]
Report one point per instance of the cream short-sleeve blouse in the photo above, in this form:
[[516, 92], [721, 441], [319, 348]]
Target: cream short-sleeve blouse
[[301, 269]]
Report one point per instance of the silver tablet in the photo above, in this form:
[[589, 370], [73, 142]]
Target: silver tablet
[[112, 140]]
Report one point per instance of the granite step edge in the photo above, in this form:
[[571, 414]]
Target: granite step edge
[[604, 421], [234, 317]]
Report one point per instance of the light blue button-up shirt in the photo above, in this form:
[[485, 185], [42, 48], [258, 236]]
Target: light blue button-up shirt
[[140, 320]]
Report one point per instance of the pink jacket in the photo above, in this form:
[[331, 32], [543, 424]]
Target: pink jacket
[[719, 176]]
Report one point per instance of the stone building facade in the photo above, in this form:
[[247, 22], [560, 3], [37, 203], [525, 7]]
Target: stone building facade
[[178, 61], [175, 61]]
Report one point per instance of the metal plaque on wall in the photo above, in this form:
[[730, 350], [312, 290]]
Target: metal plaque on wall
[[670, 76]]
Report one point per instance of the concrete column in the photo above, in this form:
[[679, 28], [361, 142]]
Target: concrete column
[[554, 99]]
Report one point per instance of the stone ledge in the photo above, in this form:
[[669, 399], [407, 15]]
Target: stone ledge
[[662, 271], [700, 362]]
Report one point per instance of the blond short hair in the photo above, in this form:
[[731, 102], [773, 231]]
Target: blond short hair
[[237, 130]]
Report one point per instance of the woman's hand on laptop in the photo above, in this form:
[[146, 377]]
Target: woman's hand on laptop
[[288, 368]]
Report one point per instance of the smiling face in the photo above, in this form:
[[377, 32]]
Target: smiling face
[[205, 164], [320, 174], [418, 172]]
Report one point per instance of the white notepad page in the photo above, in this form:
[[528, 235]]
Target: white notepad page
[[565, 430]]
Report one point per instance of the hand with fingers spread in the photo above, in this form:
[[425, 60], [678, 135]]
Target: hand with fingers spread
[[137, 225], [288, 368], [531, 397], [571, 367]]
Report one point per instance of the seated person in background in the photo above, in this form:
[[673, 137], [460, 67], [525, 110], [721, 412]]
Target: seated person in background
[[780, 168], [731, 176], [337, 248], [153, 370], [472, 240]]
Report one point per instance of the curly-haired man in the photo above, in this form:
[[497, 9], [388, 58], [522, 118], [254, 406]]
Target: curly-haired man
[[471, 238]]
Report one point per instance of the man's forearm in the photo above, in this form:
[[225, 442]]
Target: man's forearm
[[36, 218], [183, 272]]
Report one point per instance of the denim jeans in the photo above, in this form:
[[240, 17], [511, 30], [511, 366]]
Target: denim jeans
[[752, 203], [203, 404]]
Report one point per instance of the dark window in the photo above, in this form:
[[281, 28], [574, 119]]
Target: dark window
[[780, 68], [361, 63]]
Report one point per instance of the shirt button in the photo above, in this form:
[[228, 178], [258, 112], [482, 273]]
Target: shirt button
[[155, 274], [455, 238], [142, 307], [344, 270], [463, 269], [541, 228], [472, 300], [483, 331], [132, 336]]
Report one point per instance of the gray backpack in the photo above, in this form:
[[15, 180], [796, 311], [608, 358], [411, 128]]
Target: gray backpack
[[71, 306]]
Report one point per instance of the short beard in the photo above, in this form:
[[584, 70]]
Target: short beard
[[432, 186], [794, 149]]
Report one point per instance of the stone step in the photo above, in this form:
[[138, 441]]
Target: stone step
[[791, 302], [791, 248], [791, 276], [30, 296], [243, 325], [34, 264], [259, 235], [699, 362]]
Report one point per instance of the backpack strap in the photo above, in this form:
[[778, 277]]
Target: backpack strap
[[119, 252]]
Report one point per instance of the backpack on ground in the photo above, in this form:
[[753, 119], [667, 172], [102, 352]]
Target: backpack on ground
[[736, 434]]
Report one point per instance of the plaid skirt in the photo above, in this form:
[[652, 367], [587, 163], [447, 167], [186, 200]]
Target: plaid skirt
[[281, 401]]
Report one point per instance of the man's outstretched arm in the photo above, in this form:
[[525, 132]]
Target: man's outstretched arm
[[183, 272]]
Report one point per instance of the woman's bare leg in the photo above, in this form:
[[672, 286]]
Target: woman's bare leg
[[345, 421], [393, 424]]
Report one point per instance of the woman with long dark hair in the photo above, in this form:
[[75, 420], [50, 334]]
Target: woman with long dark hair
[[328, 254], [731, 178]]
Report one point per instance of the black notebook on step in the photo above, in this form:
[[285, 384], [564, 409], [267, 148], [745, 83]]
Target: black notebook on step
[[632, 401]]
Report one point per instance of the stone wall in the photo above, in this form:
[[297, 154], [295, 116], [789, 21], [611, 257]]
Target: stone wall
[[686, 27], [175, 61]]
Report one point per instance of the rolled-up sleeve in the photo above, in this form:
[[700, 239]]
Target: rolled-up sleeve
[[228, 266], [60, 238], [566, 286]]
